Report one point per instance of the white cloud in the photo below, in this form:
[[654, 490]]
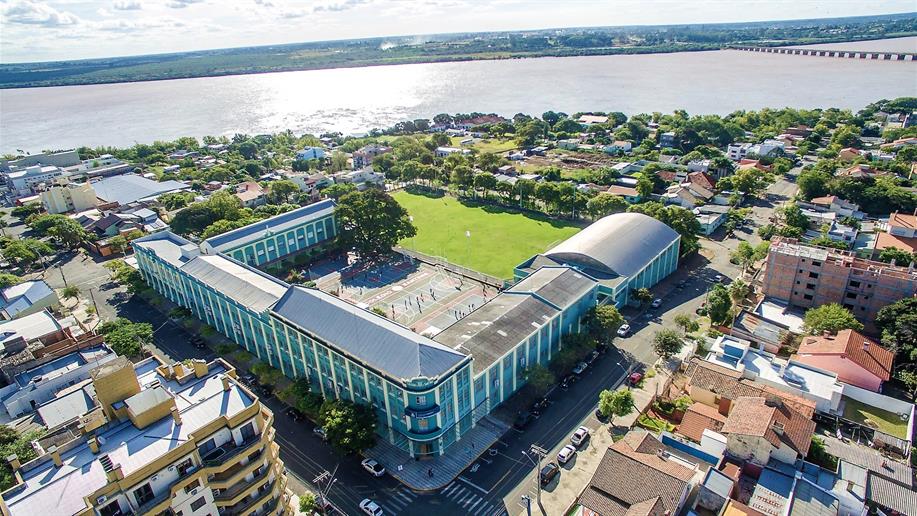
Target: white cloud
[[27, 12], [337, 5], [128, 5], [181, 4], [264, 3]]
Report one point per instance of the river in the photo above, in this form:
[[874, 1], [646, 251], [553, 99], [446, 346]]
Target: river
[[358, 99]]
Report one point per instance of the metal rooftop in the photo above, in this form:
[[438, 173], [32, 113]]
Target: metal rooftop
[[276, 224], [245, 285]]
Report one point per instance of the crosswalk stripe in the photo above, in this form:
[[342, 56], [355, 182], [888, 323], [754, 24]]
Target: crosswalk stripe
[[475, 504], [450, 485], [404, 497], [462, 500], [472, 497], [396, 502], [456, 493], [485, 510], [453, 487]]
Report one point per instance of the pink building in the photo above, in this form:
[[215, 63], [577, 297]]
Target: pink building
[[854, 358]]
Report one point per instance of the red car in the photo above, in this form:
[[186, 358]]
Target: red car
[[635, 378]]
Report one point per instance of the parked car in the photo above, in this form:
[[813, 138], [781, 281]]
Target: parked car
[[539, 405], [602, 348], [580, 368], [198, 342], [294, 414], [719, 278], [320, 433], [635, 378], [567, 381], [370, 507], [592, 356], [579, 436], [682, 284], [522, 420], [656, 303], [249, 379], [548, 472], [374, 468], [623, 330], [566, 453]]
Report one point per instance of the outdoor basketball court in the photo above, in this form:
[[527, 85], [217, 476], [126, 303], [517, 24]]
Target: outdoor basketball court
[[423, 297]]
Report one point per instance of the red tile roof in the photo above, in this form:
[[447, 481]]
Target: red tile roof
[[887, 240], [702, 179], [625, 191], [855, 347], [700, 417], [903, 220], [826, 201], [756, 416]]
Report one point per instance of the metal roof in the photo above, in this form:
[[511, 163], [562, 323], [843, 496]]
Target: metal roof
[[623, 243], [559, 286], [130, 188], [493, 330], [244, 285], [381, 344], [166, 245], [238, 237], [810, 500]]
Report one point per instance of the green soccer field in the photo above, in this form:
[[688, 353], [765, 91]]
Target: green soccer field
[[499, 240]]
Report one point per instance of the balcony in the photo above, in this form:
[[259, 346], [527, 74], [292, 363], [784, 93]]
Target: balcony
[[246, 507], [235, 473], [422, 412], [241, 489], [228, 451]]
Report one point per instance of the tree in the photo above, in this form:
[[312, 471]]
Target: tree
[[26, 210], [338, 190], [719, 304], [350, 428], [644, 187], [485, 181], [898, 324], [617, 403], [605, 204], [26, 251], [831, 317], [8, 280], [603, 321], [126, 338], [642, 295], [744, 255], [686, 323], [900, 257], [307, 503], [338, 161], [793, 216], [813, 183], [462, 176], [126, 275], [738, 291], [70, 292], [176, 200], [248, 149], [20, 445], [280, 191], [667, 343], [539, 379], [372, 223]]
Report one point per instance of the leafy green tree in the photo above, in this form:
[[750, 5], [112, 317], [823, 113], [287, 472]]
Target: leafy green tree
[[485, 181], [617, 403], [372, 223], [603, 321], [338, 190], [26, 210], [644, 187], [909, 378], [605, 204], [25, 252], [307, 503], [126, 338], [642, 295], [667, 343], [248, 149], [69, 233], [176, 200], [793, 216], [898, 324], [302, 397], [813, 183], [686, 323], [744, 255], [126, 275], [8, 280], [719, 304], [20, 445], [539, 379], [70, 292], [900, 257], [280, 191], [351, 428], [738, 291], [831, 317], [462, 176], [43, 223]]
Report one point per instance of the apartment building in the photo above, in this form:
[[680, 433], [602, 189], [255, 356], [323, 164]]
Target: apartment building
[[165, 439], [808, 276], [364, 156], [66, 197]]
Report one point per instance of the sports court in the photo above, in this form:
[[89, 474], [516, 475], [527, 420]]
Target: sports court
[[423, 297]]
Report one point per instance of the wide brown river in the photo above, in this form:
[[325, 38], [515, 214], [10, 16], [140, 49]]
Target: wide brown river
[[358, 99]]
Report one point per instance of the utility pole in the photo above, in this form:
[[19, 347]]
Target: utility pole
[[61, 269], [98, 315], [329, 480], [539, 452]]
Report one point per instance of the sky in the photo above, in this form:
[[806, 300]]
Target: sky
[[46, 30]]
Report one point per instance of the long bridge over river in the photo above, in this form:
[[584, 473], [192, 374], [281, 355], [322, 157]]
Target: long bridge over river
[[849, 54]]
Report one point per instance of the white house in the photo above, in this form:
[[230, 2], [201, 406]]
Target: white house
[[442, 152], [309, 153], [362, 178], [737, 151], [26, 298]]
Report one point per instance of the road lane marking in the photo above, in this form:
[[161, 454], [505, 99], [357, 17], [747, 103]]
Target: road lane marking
[[472, 484]]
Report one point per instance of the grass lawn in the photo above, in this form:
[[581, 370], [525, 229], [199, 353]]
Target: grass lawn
[[499, 241], [883, 420], [492, 145]]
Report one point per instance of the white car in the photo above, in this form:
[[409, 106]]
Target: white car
[[579, 436], [374, 468], [370, 507], [656, 303], [566, 453], [623, 330], [580, 368]]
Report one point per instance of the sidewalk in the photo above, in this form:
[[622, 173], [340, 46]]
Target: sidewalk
[[415, 474], [577, 473]]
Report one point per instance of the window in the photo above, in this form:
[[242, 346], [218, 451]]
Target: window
[[420, 400], [854, 284], [143, 494], [851, 295], [197, 504], [798, 282], [248, 431], [423, 424], [192, 486], [816, 264], [848, 306], [112, 509], [184, 466], [807, 297], [813, 275], [810, 286], [207, 446]]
